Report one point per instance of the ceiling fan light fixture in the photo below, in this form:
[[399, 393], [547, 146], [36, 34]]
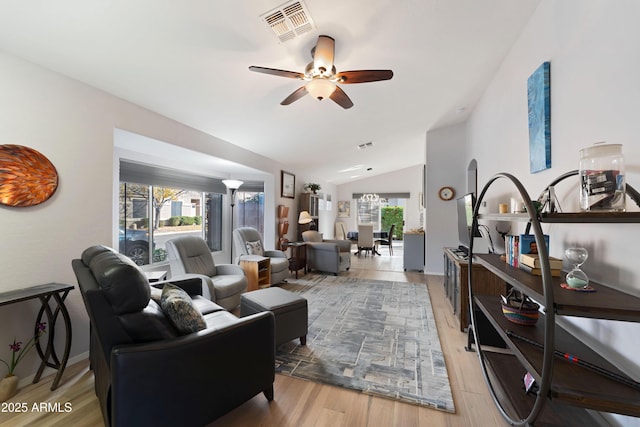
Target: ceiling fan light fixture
[[320, 88], [321, 77]]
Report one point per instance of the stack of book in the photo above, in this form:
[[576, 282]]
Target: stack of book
[[531, 264], [516, 245], [512, 249]]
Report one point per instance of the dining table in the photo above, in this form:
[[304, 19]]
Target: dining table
[[353, 236]]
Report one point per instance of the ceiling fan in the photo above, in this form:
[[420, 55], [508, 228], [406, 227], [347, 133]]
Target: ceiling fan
[[322, 78]]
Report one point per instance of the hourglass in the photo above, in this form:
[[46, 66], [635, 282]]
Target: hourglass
[[576, 278]]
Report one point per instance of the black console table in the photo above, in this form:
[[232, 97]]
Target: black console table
[[44, 293]]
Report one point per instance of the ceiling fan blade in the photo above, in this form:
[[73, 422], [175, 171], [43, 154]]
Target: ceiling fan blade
[[341, 98], [276, 72], [364, 76], [323, 53], [299, 93]]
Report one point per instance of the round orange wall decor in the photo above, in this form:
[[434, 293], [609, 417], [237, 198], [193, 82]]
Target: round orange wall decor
[[27, 177]]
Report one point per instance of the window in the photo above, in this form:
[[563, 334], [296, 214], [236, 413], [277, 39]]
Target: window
[[251, 210], [145, 227], [369, 212], [386, 210], [133, 234], [213, 222], [158, 203]]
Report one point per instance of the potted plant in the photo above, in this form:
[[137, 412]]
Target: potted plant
[[9, 384], [312, 186]]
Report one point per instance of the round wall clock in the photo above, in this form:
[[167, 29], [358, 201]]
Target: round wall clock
[[446, 193]]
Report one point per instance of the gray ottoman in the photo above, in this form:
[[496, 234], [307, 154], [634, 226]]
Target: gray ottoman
[[289, 309]]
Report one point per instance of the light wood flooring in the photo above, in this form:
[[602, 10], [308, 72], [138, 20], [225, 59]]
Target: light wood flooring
[[303, 403]]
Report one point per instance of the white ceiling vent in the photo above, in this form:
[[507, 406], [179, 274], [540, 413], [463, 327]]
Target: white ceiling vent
[[365, 145], [288, 20]]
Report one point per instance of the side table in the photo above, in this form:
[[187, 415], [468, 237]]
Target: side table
[[45, 293], [155, 276], [258, 271], [298, 258]]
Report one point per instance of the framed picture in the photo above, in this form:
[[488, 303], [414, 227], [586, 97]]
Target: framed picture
[[344, 209], [288, 181]]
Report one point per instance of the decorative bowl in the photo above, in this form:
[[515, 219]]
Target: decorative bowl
[[518, 308]]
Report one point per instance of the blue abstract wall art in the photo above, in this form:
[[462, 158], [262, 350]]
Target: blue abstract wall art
[[539, 96]]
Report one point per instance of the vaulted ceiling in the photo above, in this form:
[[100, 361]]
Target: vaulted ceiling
[[189, 59]]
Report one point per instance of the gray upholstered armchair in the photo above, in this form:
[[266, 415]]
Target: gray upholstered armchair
[[247, 241], [331, 256], [190, 255]]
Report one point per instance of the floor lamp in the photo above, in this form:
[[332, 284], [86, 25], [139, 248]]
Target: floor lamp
[[233, 185]]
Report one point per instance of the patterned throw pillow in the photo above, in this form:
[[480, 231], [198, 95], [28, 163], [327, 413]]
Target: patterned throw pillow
[[255, 248], [179, 308]]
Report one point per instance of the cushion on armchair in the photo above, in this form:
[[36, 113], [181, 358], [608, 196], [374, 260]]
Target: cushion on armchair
[[254, 248]]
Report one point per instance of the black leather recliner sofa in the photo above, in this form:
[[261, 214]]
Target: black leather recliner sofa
[[146, 373]]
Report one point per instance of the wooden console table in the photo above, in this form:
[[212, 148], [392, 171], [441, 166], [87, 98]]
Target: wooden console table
[[258, 271], [456, 270], [44, 293]]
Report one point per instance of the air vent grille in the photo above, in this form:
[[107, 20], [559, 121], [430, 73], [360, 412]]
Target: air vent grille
[[288, 20], [365, 145]]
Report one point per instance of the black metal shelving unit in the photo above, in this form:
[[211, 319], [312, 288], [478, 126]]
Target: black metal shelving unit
[[565, 388]]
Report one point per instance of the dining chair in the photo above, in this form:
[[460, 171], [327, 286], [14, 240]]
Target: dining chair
[[365, 239], [389, 240], [341, 231]]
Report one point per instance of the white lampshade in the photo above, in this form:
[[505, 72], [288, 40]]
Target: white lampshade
[[232, 184], [320, 88], [304, 218]]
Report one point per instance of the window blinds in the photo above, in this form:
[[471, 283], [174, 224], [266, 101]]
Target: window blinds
[[141, 173]]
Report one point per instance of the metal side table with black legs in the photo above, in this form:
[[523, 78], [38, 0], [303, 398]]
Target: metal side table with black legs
[[46, 293]]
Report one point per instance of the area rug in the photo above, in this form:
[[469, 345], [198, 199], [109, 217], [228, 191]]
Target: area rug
[[374, 336]]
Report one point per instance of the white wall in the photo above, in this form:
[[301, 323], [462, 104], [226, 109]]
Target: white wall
[[326, 216], [447, 162], [595, 96], [73, 125], [401, 181]]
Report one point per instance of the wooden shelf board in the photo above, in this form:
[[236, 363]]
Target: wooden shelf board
[[571, 384], [569, 217], [591, 217], [606, 303], [507, 378], [504, 217]]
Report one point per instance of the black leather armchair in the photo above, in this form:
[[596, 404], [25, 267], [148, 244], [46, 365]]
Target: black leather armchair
[[146, 374]]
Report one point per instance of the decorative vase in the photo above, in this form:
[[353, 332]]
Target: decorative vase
[[8, 387]]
